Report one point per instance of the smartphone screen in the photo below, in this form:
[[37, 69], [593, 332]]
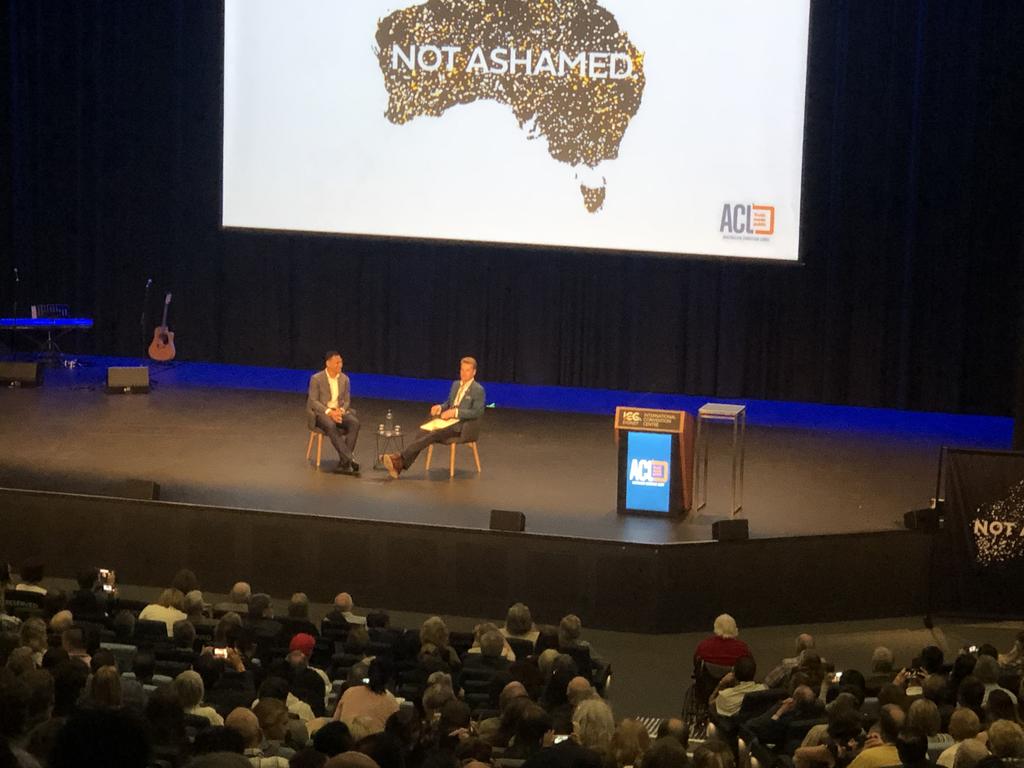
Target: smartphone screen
[[108, 579]]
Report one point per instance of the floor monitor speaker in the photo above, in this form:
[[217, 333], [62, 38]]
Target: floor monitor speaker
[[13, 374], [141, 489], [507, 520], [926, 519], [128, 381], [737, 529]]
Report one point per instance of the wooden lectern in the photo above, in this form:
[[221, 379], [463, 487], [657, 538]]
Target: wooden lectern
[[678, 424]]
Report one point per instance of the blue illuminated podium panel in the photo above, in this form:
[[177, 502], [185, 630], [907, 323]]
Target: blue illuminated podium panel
[[655, 461]]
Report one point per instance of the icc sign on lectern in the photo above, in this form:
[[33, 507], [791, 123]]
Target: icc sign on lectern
[[655, 461]]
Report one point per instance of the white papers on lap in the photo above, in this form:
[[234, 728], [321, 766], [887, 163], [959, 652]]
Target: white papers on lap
[[434, 424]]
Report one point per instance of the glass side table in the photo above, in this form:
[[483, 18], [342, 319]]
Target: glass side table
[[737, 416], [388, 441]]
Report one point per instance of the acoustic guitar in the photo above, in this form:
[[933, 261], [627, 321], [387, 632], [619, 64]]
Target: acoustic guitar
[[161, 348]]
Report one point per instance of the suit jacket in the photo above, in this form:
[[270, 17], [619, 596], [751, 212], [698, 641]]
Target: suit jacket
[[472, 405], [320, 392]]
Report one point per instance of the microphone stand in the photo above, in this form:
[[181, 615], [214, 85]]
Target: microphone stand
[[14, 308], [143, 325]]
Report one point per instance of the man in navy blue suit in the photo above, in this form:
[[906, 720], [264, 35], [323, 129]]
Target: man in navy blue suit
[[465, 402]]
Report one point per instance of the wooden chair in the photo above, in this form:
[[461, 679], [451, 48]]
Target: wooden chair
[[314, 433], [470, 435]]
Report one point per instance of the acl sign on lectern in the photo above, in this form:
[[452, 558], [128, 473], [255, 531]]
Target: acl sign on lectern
[[655, 461]]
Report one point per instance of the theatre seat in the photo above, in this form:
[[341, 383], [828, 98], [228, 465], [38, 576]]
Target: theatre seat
[[314, 433], [470, 435]]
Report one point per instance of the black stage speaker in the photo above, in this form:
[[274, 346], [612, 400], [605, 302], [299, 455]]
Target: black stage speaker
[[20, 374], [507, 520], [141, 489], [128, 381], [730, 530], [926, 519]]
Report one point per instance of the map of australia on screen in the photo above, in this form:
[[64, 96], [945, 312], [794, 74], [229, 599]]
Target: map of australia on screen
[[563, 67]]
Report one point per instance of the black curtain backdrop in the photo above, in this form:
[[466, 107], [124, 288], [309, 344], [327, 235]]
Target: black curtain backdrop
[[909, 295]]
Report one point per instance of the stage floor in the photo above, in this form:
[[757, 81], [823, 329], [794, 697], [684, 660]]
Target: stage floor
[[236, 436]]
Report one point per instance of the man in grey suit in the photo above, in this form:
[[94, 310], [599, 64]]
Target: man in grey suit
[[330, 396], [465, 402]]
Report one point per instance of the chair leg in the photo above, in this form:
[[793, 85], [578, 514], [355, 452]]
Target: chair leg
[[319, 448], [309, 448], [451, 462], [430, 453], [476, 457]]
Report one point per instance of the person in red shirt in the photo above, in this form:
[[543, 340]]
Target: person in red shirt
[[724, 647]]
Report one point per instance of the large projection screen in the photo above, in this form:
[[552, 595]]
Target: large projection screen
[[651, 126]]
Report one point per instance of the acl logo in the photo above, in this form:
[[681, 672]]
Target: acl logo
[[649, 472], [747, 219]]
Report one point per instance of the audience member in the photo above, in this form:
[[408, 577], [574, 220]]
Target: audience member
[[73, 641], [728, 694], [666, 752], [371, 700], [435, 632], [275, 722], [882, 671], [31, 576], [246, 724], [1000, 707], [1006, 739], [594, 725], [519, 624], [912, 748], [333, 739], [963, 725], [191, 692], [169, 608], [485, 628], [629, 742], [713, 754], [342, 613], [779, 677], [195, 611], [88, 600], [971, 753], [723, 647], [987, 671], [185, 581], [923, 716], [237, 602], [880, 748]]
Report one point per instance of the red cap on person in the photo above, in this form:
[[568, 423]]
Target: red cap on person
[[302, 642]]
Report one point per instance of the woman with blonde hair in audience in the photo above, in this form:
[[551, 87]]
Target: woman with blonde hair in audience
[[191, 691], [105, 688], [924, 716], [169, 608], [629, 742], [594, 725], [519, 624], [963, 725], [435, 632], [1006, 739]]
